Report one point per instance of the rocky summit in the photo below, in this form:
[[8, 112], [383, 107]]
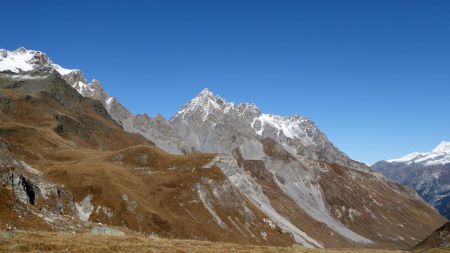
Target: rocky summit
[[74, 159]]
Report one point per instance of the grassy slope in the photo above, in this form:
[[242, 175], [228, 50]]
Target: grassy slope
[[64, 242]]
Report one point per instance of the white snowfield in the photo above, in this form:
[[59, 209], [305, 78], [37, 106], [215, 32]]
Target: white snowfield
[[438, 156], [64, 71], [23, 60], [16, 61], [289, 126]]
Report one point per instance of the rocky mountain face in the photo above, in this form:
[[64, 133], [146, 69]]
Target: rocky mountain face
[[428, 173], [217, 171], [208, 123]]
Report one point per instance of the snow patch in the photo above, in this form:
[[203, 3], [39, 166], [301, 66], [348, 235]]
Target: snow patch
[[109, 102], [288, 126], [62, 70], [16, 61]]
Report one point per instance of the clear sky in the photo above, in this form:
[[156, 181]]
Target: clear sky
[[374, 75]]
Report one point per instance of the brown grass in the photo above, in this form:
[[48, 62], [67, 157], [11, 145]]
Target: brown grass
[[87, 243]]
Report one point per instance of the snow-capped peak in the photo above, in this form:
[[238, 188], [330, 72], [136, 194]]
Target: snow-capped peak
[[405, 158], [438, 156], [443, 147], [24, 60]]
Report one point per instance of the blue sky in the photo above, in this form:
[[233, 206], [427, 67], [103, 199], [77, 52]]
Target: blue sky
[[373, 75]]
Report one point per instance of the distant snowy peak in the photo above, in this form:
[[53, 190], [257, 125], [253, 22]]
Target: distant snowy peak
[[439, 156], [405, 158], [23, 60], [443, 147]]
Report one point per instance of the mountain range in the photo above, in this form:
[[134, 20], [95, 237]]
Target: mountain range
[[428, 173], [73, 158]]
